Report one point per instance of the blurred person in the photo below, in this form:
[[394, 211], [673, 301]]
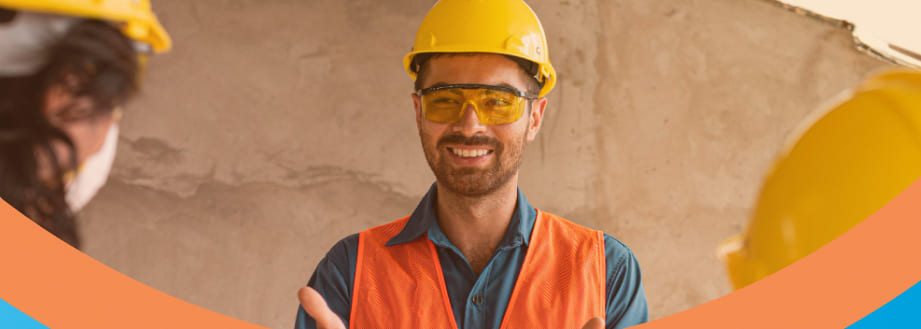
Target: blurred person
[[846, 162], [475, 253], [66, 69]]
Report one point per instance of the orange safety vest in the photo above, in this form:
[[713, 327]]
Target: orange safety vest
[[561, 283]]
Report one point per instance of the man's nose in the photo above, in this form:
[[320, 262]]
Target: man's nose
[[469, 123]]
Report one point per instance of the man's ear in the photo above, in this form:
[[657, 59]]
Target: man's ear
[[417, 104], [536, 118]]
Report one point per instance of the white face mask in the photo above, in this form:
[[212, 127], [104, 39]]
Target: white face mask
[[93, 173]]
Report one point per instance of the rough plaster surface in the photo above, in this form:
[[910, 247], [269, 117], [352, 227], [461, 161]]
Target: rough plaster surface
[[275, 128]]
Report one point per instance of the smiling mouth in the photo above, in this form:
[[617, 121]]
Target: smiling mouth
[[470, 153]]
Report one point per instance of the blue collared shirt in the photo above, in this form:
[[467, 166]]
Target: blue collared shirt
[[479, 301]]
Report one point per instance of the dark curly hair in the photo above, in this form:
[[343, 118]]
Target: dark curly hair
[[93, 60]]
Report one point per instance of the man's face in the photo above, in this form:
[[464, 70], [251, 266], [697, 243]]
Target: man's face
[[467, 156]]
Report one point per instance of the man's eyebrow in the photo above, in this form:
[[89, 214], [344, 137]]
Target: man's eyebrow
[[438, 84], [501, 84], [507, 85]]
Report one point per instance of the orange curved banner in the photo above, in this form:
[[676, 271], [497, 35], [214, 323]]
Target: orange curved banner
[[62, 287], [833, 287]]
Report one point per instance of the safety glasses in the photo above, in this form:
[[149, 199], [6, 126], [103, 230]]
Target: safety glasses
[[494, 105]]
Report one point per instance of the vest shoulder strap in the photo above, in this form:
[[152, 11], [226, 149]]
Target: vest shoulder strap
[[393, 283], [562, 280]]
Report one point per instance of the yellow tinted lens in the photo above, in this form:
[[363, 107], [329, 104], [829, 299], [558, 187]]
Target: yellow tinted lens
[[445, 106], [498, 107], [493, 107]]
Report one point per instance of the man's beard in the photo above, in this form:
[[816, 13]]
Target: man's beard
[[471, 181]]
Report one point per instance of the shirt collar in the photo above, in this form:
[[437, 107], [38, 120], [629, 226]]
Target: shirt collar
[[425, 220]]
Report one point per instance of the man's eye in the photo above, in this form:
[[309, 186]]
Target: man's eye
[[497, 102], [445, 101]]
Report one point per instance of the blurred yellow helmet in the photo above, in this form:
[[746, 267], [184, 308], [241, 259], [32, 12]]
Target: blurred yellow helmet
[[507, 27], [845, 165], [134, 17]]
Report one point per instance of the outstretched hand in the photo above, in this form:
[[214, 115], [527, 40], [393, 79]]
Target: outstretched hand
[[316, 307]]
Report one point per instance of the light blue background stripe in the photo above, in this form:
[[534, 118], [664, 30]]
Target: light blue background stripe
[[902, 312], [11, 317]]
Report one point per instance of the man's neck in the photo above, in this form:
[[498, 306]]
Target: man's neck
[[476, 225]]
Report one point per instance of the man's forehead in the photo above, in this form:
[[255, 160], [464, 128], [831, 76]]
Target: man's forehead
[[443, 83], [474, 68]]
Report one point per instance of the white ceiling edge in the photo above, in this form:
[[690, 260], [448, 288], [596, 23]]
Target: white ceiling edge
[[887, 28]]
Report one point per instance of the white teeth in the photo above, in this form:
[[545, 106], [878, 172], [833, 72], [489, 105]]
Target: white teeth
[[469, 153]]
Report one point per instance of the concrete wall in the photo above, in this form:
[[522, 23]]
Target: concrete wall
[[275, 128]]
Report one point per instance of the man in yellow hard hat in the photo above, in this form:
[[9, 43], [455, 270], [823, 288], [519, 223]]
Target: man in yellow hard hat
[[66, 69], [475, 253], [843, 165]]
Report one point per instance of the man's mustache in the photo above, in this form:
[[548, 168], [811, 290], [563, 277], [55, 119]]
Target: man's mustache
[[477, 140]]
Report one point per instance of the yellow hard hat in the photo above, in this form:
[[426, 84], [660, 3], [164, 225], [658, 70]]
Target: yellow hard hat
[[135, 17], [507, 27], [847, 163]]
